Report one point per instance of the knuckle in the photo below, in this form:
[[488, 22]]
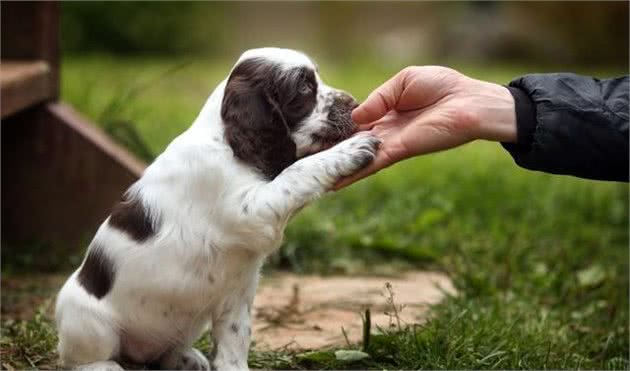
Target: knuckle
[[384, 100], [408, 71]]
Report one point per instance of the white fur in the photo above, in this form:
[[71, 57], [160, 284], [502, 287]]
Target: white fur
[[218, 220]]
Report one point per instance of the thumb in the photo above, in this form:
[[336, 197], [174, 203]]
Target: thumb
[[382, 100]]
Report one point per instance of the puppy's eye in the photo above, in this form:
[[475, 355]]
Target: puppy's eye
[[306, 88]]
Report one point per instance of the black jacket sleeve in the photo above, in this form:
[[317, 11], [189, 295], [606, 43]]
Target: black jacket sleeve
[[570, 124]]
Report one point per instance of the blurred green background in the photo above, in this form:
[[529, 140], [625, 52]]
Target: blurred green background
[[540, 32], [153, 64], [540, 261]]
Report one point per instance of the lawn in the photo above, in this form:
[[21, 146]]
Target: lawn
[[540, 262]]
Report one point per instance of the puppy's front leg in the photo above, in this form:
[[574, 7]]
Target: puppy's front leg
[[231, 333], [310, 177]]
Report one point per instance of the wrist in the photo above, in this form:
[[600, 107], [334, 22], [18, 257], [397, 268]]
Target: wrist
[[525, 111], [497, 114]]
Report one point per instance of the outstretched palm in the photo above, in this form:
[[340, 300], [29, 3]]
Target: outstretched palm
[[428, 109]]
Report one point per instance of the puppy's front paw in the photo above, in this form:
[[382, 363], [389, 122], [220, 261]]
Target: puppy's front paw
[[194, 360], [231, 365], [101, 366], [356, 153], [191, 359]]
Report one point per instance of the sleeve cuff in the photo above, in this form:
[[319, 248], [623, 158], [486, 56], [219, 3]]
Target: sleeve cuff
[[525, 121]]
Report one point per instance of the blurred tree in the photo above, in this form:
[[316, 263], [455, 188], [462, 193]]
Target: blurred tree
[[141, 27], [566, 33], [588, 32]]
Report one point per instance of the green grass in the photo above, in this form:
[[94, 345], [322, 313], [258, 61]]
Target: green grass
[[540, 261]]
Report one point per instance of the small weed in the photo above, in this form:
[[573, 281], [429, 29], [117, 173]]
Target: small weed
[[114, 119], [29, 344]]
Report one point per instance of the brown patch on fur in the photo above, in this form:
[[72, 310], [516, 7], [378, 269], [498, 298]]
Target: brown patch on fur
[[130, 216], [97, 272], [262, 104]]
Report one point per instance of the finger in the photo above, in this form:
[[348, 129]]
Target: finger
[[382, 100], [388, 120], [365, 127], [370, 125]]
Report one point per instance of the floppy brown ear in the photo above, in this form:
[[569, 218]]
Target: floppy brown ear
[[254, 125]]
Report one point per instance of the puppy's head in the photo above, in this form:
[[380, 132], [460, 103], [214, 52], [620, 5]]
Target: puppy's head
[[276, 109]]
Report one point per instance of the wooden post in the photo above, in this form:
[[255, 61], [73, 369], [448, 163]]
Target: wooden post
[[30, 31], [60, 173]]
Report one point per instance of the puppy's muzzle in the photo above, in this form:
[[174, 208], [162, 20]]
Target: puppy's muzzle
[[340, 125]]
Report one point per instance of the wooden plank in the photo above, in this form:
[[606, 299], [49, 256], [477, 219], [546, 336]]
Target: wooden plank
[[60, 177], [23, 84], [30, 31], [97, 137]]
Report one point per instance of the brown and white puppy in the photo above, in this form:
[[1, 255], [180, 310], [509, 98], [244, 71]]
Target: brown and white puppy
[[183, 248]]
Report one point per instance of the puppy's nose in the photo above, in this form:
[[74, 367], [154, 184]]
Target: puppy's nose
[[341, 113], [347, 100], [354, 104]]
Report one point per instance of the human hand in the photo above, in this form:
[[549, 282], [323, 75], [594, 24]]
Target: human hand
[[431, 108]]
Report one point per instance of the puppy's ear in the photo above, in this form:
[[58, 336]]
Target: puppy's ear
[[254, 124]]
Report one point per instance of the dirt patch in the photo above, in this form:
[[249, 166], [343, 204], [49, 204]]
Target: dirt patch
[[23, 295], [306, 312], [290, 311]]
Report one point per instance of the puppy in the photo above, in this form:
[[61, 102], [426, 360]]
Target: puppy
[[183, 248]]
